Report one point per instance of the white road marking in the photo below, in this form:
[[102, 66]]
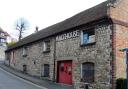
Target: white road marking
[[26, 81]]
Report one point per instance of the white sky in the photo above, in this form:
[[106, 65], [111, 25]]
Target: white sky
[[41, 13]]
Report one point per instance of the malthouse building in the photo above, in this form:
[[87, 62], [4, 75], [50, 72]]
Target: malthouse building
[[83, 48]]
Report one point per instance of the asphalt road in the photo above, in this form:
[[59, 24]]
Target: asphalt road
[[9, 81]]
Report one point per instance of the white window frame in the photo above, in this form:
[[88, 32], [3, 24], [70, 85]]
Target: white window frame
[[82, 37], [81, 70], [92, 36], [24, 51], [45, 46]]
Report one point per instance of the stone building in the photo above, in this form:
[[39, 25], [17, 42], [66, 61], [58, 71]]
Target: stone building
[[83, 49]]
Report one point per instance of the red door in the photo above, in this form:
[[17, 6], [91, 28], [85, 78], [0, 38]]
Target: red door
[[65, 72]]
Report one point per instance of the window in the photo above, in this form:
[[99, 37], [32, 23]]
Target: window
[[2, 40], [87, 72], [2, 34], [87, 36], [24, 68], [46, 46], [46, 70], [24, 51]]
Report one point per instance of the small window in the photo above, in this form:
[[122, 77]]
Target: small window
[[46, 46], [2, 34], [24, 52], [87, 72], [2, 40], [87, 36], [46, 70], [24, 68]]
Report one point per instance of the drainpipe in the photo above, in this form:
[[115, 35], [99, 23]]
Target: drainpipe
[[113, 57], [54, 59]]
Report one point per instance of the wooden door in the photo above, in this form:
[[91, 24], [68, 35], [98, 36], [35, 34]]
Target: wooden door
[[65, 72]]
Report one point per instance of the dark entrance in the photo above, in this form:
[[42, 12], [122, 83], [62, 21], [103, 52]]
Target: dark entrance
[[46, 70], [24, 68]]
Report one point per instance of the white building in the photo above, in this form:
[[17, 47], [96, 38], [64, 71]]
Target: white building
[[3, 42]]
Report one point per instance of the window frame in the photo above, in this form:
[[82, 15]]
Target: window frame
[[48, 65], [92, 81], [2, 40], [25, 51], [2, 34], [93, 36], [46, 46]]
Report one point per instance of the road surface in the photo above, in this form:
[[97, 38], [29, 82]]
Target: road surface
[[9, 81]]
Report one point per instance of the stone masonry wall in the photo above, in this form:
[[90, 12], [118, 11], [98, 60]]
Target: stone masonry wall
[[2, 54], [34, 54], [71, 49], [98, 53]]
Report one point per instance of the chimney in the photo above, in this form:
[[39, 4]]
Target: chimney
[[37, 29]]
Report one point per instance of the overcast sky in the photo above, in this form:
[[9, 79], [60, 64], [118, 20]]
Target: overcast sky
[[41, 13]]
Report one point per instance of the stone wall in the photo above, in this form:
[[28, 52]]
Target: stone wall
[[2, 53], [99, 54], [71, 49], [34, 54]]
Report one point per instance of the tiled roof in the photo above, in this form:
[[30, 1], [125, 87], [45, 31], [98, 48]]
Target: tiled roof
[[84, 17]]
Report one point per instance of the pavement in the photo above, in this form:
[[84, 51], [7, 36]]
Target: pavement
[[44, 83]]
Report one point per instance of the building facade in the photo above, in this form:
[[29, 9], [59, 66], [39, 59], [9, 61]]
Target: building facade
[[3, 42], [83, 49]]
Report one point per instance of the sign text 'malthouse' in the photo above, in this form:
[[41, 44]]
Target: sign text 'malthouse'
[[68, 35]]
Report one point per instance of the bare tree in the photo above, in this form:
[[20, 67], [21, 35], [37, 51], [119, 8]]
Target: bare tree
[[21, 25]]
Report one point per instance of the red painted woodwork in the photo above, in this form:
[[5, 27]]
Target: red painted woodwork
[[65, 72]]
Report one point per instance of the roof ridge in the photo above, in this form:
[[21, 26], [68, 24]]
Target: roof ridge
[[66, 19], [91, 14]]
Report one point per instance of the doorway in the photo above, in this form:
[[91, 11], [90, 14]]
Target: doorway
[[46, 70], [24, 68], [65, 72]]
